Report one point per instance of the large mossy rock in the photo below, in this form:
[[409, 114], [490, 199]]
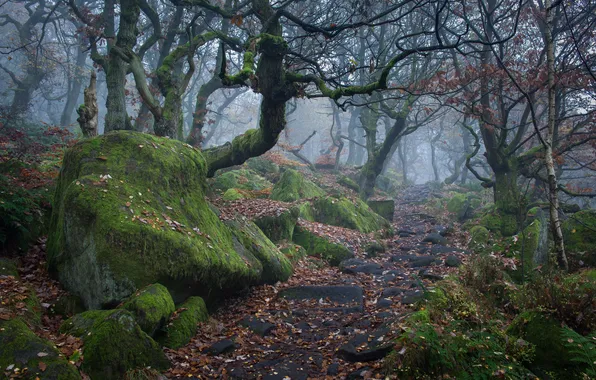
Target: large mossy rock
[[183, 324], [151, 307], [383, 207], [113, 343], [545, 333], [292, 186], [579, 236], [243, 179], [497, 221], [130, 210], [462, 206], [279, 226], [21, 348], [348, 213], [263, 166], [8, 268], [318, 246]]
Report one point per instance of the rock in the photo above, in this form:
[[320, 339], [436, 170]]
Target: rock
[[374, 248], [383, 207], [392, 292], [348, 213], [8, 268], [426, 274], [222, 347], [333, 369], [441, 230], [441, 249], [422, 261], [412, 296], [452, 261], [257, 326], [434, 238], [67, 305], [294, 252], [113, 343], [183, 325], [403, 258], [459, 206], [292, 186], [233, 195], [406, 232], [479, 238], [349, 298], [579, 236], [353, 266], [21, 348], [151, 307], [263, 166], [384, 303], [241, 179], [349, 183], [348, 352], [106, 241], [496, 221], [319, 246], [279, 227]]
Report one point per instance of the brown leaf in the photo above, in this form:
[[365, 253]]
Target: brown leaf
[[42, 366]]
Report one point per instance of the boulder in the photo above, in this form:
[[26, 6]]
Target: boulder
[[113, 343], [479, 238], [293, 252], [496, 221], [280, 226], [349, 183], [130, 210], [233, 195], [8, 268], [383, 207], [348, 213], [243, 179], [183, 325], [579, 236], [151, 307], [316, 245], [263, 166], [21, 349], [292, 186]]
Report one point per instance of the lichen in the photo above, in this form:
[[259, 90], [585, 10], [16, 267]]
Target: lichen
[[151, 307], [292, 186], [183, 325], [320, 247]]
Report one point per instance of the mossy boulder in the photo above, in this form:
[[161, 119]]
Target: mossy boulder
[[348, 213], [383, 207], [579, 236], [318, 246], [460, 206], [349, 183], [113, 343], [374, 248], [306, 211], [130, 210], [292, 186], [183, 324], [243, 179], [263, 166], [293, 252], [151, 307], [279, 226], [21, 348], [67, 305], [503, 223], [545, 333], [233, 195], [8, 268]]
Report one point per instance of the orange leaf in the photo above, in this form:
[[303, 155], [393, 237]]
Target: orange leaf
[[42, 366]]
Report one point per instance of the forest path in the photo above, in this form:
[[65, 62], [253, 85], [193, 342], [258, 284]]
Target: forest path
[[327, 322]]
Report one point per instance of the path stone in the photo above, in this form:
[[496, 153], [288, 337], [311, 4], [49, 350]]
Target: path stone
[[402, 258], [350, 299], [441, 249], [221, 347], [353, 266], [435, 238], [374, 343], [431, 276], [412, 296], [384, 303], [257, 326], [452, 261], [392, 292], [441, 230], [422, 261]]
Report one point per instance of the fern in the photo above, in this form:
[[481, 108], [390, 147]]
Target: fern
[[583, 349]]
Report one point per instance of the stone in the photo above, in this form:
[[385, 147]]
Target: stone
[[348, 213], [8, 268], [383, 207], [412, 296], [384, 303], [183, 326], [241, 179], [279, 227], [258, 326], [422, 261], [349, 298], [222, 347], [333, 369], [354, 266], [349, 353], [292, 186], [579, 236], [452, 261], [392, 292], [319, 246], [435, 238], [151, 307]]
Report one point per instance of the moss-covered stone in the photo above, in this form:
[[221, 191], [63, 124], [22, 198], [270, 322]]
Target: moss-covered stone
[[495, 221], [129, 211], [306, 211], [275, 266], [67, 305], [349, 183], [544, 332], [292, 186], [459, 205], [348, 213], [8, 268], [243, 179], [383, 207], [374, 248], [294, 252], [233, 195], [263, 166], [320, 247], [183, 325], [279, 227], [151, 307], [479, 238], [21, 348], [113, 343], [579, 236]]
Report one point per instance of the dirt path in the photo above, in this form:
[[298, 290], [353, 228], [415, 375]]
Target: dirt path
[[327, 322]]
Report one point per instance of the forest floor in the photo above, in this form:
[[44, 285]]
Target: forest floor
[[323, 323]]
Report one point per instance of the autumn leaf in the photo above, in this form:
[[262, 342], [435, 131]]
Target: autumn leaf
[[42, 366]]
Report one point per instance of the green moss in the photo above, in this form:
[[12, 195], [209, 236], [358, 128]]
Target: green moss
[[294, 252], [532, 243], [151, 307], [8, 268], [183, 325], [544, 332], [292, 186], [349, 183], [115, 344], [233, 195], [319, 246], [579, 236], [243, 179], [67, 305], [306, 211], [344, 212], [374, 248], [263, 166], [279, 227], [480, 236], [20, 347], [385, 207], [495, 221], [146, 223], [459, 206]]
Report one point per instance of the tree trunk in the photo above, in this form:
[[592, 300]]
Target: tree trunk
[[73, 94], [88, 111]]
